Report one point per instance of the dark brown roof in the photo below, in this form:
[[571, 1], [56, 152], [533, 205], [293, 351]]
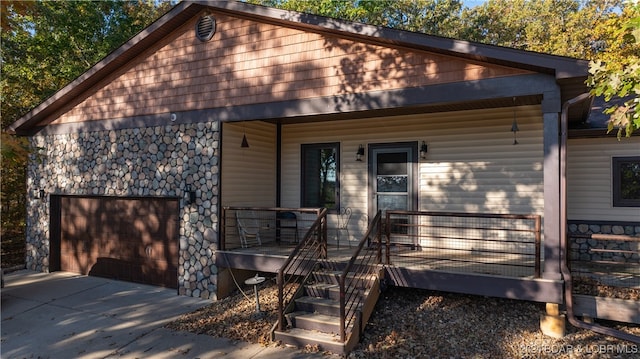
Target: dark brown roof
[[570, 73]]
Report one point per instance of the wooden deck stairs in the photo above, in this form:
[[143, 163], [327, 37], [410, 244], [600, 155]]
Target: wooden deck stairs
[[315, 316]]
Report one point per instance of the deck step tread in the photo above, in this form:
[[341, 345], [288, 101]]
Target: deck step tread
[[319, 301], [339, 273], [316, 317], [334, 288], [326, 290], [322, 285], [313, 335]]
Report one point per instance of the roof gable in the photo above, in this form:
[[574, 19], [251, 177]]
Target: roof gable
[[164, 68], [249, 62]]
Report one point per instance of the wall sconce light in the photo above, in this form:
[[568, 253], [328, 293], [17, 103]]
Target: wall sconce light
[[423, 150], [39, 194], [360, 153], [245, 143], [189, 195]]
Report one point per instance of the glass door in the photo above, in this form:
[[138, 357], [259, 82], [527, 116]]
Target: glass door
[[392, 179], [392, 184]]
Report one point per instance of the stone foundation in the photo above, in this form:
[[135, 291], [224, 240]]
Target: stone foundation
[[155, 161], [580, 248]]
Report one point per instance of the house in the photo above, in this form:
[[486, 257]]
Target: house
[[221, 105], [596, 170]]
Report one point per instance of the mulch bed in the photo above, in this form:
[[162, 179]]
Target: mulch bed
[[591, 286], [414, 323]]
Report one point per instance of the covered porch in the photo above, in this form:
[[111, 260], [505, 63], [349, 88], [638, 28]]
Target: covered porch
[[484, 254], [262, 238], [437, 133], [462, 162]]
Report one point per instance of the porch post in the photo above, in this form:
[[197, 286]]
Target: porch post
[[551, 108]]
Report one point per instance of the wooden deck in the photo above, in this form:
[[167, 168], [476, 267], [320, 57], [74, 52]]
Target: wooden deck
[[410, 269], [270, 256], [267, 255], [489, 255], [509, 264]]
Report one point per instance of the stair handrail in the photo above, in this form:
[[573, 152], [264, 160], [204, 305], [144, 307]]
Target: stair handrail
[[351, 287], [301, 262]]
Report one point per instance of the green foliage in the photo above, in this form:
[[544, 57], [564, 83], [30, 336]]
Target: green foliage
[[559, 27], [12, 195], [47, 44], [616, 74], [438, 17], [43, 46]]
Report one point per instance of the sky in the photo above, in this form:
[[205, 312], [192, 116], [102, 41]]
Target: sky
[[472, 3]]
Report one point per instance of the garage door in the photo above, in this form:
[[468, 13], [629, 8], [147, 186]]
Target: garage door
[[125, 239]]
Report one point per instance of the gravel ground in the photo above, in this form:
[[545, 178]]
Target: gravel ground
[[413, 323]]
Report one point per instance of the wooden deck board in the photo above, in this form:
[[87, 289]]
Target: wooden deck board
[[506, 281], [511, 265]]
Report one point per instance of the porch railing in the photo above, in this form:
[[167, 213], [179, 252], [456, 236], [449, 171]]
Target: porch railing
[[300, 264], [608, 259], [497, 244], [263, 226], [356, 278]]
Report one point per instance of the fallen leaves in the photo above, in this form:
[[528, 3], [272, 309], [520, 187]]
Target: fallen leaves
[[235, 317], [590, 286], [413, 323]]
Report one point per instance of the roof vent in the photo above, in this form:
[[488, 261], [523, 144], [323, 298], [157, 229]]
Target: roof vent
[[205, 28]]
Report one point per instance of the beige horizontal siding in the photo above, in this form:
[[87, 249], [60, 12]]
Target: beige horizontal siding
[[248, 62], [589, 178], [248, 175], [471, 166]]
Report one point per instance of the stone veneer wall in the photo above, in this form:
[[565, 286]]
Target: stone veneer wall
[[154, 161], [579, 248]]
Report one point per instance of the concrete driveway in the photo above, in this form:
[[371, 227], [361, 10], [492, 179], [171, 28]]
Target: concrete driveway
[[65, 315]]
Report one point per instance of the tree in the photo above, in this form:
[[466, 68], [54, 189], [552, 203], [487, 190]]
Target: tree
[[559, 27], [47, 44], [437, 17], [43, 46], [616, 72]]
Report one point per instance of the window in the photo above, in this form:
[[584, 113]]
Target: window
[[320, 185], [626, 181]]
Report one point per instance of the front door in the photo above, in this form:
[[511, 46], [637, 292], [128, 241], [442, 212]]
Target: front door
[[392, 181]]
